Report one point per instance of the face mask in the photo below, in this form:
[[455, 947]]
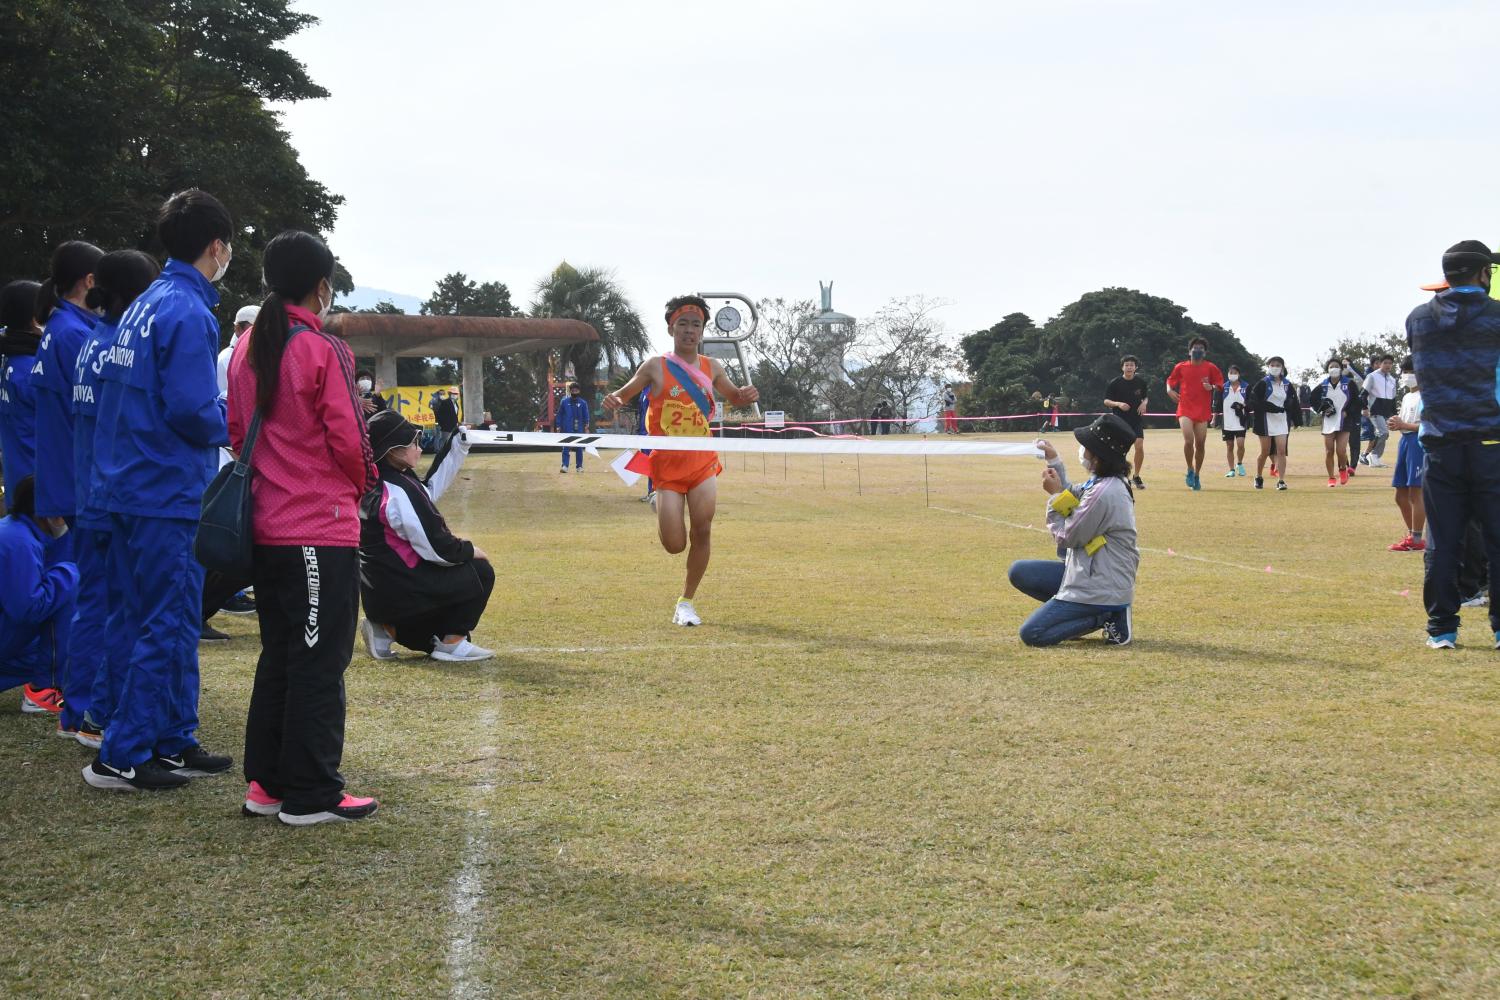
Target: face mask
[[1234, 376], [365, 385], [323, 307], [1409, 380], [1334, 373], [1196, 354], [223, 268], [1275, 371], [1084, 459]]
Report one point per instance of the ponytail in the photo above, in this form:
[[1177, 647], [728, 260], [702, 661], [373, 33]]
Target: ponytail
[[268, 339], [71, 263], [294, 264]]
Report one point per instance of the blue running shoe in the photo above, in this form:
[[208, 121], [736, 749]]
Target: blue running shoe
[[1448, 640]]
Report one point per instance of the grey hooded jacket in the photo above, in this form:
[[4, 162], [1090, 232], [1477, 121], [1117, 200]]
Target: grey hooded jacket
[[1104, 509]]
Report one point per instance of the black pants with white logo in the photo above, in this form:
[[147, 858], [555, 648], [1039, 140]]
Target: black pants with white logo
[[307, 598], [458, 618]]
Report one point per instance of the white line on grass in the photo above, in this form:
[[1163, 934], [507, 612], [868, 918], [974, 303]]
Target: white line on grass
[[468, 886]]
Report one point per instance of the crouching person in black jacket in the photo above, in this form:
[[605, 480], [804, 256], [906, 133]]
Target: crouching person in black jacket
[[423, 586]]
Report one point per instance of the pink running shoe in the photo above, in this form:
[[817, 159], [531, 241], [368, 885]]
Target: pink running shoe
[[259, 802], [350, 808]]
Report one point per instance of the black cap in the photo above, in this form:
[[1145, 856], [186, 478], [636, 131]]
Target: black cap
[[389, 429], [1107, 435], [1467, 257]]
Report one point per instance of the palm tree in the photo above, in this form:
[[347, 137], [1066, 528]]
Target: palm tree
[[591, 295]]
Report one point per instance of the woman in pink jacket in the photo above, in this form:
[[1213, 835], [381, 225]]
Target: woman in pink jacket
[[311, 463]]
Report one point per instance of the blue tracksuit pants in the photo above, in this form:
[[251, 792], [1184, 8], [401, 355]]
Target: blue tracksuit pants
[[88, 638], [36, 656], [161, 620]]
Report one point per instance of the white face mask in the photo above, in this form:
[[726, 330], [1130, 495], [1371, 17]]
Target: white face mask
[[1234, 376], [1409, 380], [365, 385], [224, 267], [1274, 371], [1085, 459], [324, 307], [1334, 373]]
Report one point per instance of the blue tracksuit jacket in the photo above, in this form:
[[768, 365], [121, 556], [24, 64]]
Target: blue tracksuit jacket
[[36, 602], [85, 417], [573, 415], [52, 378], [160, 416], [17, 419]]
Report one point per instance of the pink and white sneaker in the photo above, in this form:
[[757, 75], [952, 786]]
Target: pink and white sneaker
[[259, 802], [350, 808]]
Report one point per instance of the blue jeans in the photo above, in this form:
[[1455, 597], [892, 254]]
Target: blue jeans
[[1055, 621], [1460, 480]]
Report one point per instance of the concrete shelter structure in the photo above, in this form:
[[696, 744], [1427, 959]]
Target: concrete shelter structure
[[471, 339]]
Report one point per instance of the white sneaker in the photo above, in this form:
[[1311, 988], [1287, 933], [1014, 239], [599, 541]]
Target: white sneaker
[[651, 498], [462, 651], [1375, 462], [685, 615], [377, 642]]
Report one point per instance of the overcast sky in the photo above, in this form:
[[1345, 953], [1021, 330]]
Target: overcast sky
[[1290, 170]]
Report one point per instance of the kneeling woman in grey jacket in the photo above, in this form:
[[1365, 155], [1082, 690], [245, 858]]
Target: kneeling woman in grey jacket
[[1094, 526]]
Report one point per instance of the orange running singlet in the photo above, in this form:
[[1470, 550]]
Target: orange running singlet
[[674, 414]]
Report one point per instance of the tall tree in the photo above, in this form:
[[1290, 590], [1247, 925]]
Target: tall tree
[[901, 355], [591, 294], [510, 383], [1078, 352], [122, 102]]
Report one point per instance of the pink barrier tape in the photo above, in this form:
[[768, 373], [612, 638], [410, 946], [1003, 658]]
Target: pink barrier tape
[[806, 425]]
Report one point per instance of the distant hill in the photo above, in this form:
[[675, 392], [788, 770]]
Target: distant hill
[[365, 298]]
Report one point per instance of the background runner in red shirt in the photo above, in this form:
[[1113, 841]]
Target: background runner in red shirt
[[1191, 387]]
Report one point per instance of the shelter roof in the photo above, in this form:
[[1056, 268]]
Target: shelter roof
[[424, 336]]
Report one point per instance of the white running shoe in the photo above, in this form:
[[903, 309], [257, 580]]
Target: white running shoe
[[685, 615], [1375, 462], [462, 651], [377, 642]]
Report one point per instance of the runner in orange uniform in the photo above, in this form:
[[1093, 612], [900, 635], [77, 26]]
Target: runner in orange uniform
[[682, 384]]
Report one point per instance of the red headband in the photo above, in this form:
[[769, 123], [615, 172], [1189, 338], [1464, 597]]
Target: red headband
[[684, 308]]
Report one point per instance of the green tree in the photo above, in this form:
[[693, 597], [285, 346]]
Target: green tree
[[457, 295], [112, 105], [1078, 352], [1363, 349], [511, 387], [590, 294], [795, 360]]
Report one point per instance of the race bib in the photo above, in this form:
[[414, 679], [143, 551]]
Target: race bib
[[682, 418]]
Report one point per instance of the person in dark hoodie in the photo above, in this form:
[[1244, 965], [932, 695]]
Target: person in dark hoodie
[[37, 590], [423, 586], [1274, 410], [312, 465], [17, 397], [160, 424], [1455, 346], [62, 308], [90, 687]]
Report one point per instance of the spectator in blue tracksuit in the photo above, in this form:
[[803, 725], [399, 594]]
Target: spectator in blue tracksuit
[[89, 688], [572, 418], [161, 420], [36, 590], [1455, 345], [66, 319], [18, 344]]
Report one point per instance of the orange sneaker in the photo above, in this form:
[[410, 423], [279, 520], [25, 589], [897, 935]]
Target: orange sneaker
[[1343, 477], [1332, 482], [35, 701]]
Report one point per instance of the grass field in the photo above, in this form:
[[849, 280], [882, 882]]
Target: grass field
[[853, 781]]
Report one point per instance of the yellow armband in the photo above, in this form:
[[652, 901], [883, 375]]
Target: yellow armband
[[1063, 503], [1095, 544]]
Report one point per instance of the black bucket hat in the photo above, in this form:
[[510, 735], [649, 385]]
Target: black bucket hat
[[1108, 435], [389, 429]]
